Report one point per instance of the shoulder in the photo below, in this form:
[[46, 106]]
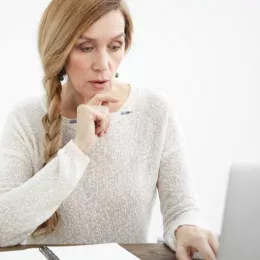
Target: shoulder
[[28, 110], [153, 101], [151, 97]]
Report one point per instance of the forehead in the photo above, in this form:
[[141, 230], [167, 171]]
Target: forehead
[[107, 26]]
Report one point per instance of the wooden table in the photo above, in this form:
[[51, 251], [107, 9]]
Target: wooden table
[[142, 251]]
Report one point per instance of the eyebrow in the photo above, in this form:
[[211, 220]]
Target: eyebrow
[[92, 39]]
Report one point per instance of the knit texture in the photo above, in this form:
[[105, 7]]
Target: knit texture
[[105, 196]]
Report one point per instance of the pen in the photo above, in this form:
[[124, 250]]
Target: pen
[[121, 113], [48, 253]]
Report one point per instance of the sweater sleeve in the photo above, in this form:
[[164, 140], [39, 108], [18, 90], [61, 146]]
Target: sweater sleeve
[[178, 199], [27, 199]]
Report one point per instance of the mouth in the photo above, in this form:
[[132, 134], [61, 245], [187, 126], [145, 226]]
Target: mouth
[[98, 81], [99, 84]]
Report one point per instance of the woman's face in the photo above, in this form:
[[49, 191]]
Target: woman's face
[[97, 55]]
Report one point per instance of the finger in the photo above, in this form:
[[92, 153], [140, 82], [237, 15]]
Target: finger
[[102, 98], [109, 120], [206, 251], [105, 103], [214, 243], [107, 127], [101, 134], [101, 127], [98, 130], [192, 251], [182, 253], [103, 109], [101, 121]]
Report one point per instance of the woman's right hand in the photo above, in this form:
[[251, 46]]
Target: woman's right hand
[[93, 121]]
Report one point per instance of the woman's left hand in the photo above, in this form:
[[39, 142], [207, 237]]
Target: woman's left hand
[[191, 239]]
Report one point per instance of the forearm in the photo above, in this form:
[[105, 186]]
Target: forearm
[[178, 196], [24, 208]]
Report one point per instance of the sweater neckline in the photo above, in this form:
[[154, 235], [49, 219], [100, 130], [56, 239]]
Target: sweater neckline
[[127, 105]]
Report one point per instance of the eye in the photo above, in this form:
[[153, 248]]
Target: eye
[[86, 49], [115, 48]]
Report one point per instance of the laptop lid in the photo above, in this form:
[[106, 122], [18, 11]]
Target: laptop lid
[[240, 235]]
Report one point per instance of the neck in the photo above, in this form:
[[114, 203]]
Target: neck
[[70, 100]]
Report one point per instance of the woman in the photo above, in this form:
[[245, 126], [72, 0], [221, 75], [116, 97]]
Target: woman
[[94, 180]]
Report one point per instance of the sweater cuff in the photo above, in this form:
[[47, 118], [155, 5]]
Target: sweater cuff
[[193, 218], [72, 162]]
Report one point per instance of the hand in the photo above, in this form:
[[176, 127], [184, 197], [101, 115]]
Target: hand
[[191, 239], [93, 121]]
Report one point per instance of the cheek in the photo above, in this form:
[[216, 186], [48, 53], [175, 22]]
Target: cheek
[[77, 64], [118, 59]]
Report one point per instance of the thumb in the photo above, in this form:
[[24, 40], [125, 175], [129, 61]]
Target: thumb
[[182, 253], [103, 108]]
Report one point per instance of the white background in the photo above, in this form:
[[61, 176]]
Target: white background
[[204, 54]]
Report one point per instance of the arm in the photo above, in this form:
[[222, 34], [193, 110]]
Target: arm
[[175, 186], [26, 201]]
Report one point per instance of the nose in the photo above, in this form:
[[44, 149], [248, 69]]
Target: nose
[[101, 62]]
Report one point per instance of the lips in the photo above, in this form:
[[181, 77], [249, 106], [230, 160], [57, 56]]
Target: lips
[[98, 81], [99, 84]]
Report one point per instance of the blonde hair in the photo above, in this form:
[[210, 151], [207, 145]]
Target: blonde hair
[[61, 24]]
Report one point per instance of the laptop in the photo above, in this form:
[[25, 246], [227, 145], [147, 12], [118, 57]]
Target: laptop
[[240, 235]]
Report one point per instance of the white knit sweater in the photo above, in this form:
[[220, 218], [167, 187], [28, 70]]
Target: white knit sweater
[[105, 196]]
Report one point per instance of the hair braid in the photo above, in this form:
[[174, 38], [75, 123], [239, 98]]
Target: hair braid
[[52, 139]]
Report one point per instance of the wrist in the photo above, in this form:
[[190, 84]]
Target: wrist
[[181, 227], [80, 147]]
